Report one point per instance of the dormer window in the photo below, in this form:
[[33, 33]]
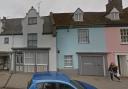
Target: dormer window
[[32, 20], [113, 15], [78, 15]]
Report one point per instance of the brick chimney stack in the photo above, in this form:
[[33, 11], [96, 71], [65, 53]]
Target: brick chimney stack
[[114, 4]]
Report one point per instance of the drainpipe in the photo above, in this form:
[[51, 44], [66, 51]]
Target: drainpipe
[[35, 67]]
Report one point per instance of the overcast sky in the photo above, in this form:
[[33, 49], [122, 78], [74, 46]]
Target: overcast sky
[[19, 8]]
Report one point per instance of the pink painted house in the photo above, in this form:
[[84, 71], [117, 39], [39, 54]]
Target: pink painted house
[[117, 47], [116, 35]]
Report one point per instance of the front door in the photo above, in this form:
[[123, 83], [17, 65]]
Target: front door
[[19, 62]]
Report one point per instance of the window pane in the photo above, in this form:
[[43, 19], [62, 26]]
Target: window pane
[[6, 40], [32, 20], [68, 61], [124, 35], [83, 36], [42, 58], [29, 58], [32, 40]]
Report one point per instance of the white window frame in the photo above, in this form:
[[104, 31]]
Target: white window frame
[[115, 15], [32, 20], [78, 17], [68, 59], [124, 36], [83, 38], [32, 40]]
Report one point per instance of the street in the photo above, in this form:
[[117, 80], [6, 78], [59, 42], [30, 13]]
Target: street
[[20, 80]]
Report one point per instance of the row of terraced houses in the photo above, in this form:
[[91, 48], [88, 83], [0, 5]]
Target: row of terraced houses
[[82, 43]]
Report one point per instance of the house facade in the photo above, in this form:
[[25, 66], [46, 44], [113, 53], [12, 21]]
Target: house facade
[[27, 44], [87, 42]]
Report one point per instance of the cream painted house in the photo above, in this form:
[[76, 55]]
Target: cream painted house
[[27, 44]]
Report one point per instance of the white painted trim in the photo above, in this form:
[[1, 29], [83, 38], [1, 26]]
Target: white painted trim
[[116, 60], [36, 64], [104, 66]]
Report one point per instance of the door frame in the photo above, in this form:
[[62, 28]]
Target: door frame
[[20, 64], [116, 59]]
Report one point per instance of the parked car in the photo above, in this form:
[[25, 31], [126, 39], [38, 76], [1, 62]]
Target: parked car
[[56, 80]]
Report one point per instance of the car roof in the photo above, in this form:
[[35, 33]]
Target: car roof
[[50, 75]]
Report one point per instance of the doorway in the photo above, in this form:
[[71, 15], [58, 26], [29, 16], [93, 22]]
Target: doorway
[[123, 64], [4, 63], [19, 62]]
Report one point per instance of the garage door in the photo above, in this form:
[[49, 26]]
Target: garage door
[[91, 65]]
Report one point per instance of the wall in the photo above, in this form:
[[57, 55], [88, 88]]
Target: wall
[[113, 43], [14, 41], [67, 44], [44, 41]]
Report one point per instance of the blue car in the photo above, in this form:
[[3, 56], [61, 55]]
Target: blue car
[[55, 80]]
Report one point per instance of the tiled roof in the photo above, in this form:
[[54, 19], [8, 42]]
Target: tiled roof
[[47, 26], [91, 19], [12, 26], [125, 9]]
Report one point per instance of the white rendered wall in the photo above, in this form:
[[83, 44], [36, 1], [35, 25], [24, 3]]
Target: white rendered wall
[[44, 41], [14, 41]]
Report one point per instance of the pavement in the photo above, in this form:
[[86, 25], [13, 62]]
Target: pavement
[[20, 80]]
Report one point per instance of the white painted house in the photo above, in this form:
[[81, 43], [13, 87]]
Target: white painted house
[[27, 44]]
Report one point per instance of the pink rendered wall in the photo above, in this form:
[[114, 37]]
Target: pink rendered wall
[[113, 43]]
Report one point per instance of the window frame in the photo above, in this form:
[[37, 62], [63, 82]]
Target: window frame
[[78, 17], [115, 15], [68, 61], [81, 38], [30, 41], [6, 40], [124, 36], [32, 20]]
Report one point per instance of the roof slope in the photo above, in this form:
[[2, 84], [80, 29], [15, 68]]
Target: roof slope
[[13, 26], [47, 26], [90, 19]]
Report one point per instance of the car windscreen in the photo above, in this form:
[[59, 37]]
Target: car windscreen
[[53, 85], [76, 84]]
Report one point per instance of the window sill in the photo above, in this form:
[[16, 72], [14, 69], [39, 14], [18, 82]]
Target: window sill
[[124, 43], [68, 67]]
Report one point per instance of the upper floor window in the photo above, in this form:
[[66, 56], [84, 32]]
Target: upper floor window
[[32, 39], [83, 36], [6, 40], [32, 20], [68, 61], [78, 15], [114, 15], [124, 35]]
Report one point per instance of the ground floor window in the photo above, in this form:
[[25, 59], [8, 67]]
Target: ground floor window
[[31, 60], [68, 61]]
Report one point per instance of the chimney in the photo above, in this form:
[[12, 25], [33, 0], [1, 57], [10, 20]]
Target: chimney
[[114, 4], [4, 23]]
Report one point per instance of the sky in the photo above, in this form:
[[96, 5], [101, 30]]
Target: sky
[[19, 8]]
